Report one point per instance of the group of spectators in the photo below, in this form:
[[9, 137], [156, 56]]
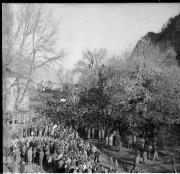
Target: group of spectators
[[55, 148], [143, 147], [59, 148]]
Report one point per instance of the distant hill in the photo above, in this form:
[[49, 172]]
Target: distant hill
[[169, 36]]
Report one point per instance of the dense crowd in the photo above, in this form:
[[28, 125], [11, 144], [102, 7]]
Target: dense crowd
[[56, 148], [60, 148], [143, 147]]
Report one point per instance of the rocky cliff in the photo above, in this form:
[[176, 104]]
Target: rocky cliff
[[168, 37]]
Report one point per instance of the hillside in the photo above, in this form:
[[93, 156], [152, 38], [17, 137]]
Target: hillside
[[169, 36]]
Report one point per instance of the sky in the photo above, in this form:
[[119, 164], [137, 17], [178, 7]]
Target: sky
[[116, 27]]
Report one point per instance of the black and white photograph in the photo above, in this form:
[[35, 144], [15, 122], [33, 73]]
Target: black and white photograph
[[91, 87]]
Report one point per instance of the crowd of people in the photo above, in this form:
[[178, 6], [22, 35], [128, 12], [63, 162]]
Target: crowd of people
[[60, 148], [55, 148], [143, 147]]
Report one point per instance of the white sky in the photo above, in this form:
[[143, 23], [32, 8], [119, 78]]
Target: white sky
[[115, 27]]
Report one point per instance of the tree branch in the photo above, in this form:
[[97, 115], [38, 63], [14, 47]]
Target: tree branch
[[49, 60]]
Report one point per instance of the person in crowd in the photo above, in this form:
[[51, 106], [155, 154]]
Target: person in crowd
[[107, 140], [89, 133], [99, 133], [130, 141], [40, 130], [93, 130], [34, 155], [116, 165], [28, 130], [29, 152], [119, 143], [142, 143], [24, 131], [149, 150], [155, 153], [41, 157], [17, 156], [63, 150], [136, 159], [111, 140], [46, 130], [102, 133], [108, 131], [86, 130], [23, 152], [134, 140], [97, 155], [111, 163], [36, 130], [145, 157], [22, 167]]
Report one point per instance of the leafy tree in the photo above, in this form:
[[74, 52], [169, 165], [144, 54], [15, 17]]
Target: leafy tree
[[145, 91]]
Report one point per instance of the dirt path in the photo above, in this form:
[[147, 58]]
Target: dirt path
[[126, 156]]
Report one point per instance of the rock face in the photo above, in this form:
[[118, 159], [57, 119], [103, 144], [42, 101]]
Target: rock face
[[141, 46], [168, 37]]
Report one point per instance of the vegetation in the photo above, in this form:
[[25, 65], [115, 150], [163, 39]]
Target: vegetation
[[169, 35]]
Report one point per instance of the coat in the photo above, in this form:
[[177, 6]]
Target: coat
[[29, 155]]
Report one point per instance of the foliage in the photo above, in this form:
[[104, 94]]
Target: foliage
[[139, 91], [95, 97], [170, 33]]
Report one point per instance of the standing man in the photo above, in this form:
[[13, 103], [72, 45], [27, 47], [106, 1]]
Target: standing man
[[130, 141], [111, 163], [93, 132], [134, 140], [149, 150], [46, 130], [40, 130], [120, 145], [111, 140], [137, 159], [107, 140], [145, 157], [30, 155], [34, 155], [28, 130], [119, 142], [97, 155], [116, 165], [86, 130], [24, 131], [35, 130], [155, 153], [41, 157], [89, 133], [103, 133], [99, 133]]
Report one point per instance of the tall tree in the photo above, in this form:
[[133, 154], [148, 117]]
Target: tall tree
[[31, 44], [90, 65]]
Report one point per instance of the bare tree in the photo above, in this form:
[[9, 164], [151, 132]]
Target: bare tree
[[30, 44], [65, 76], [90, 65]]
